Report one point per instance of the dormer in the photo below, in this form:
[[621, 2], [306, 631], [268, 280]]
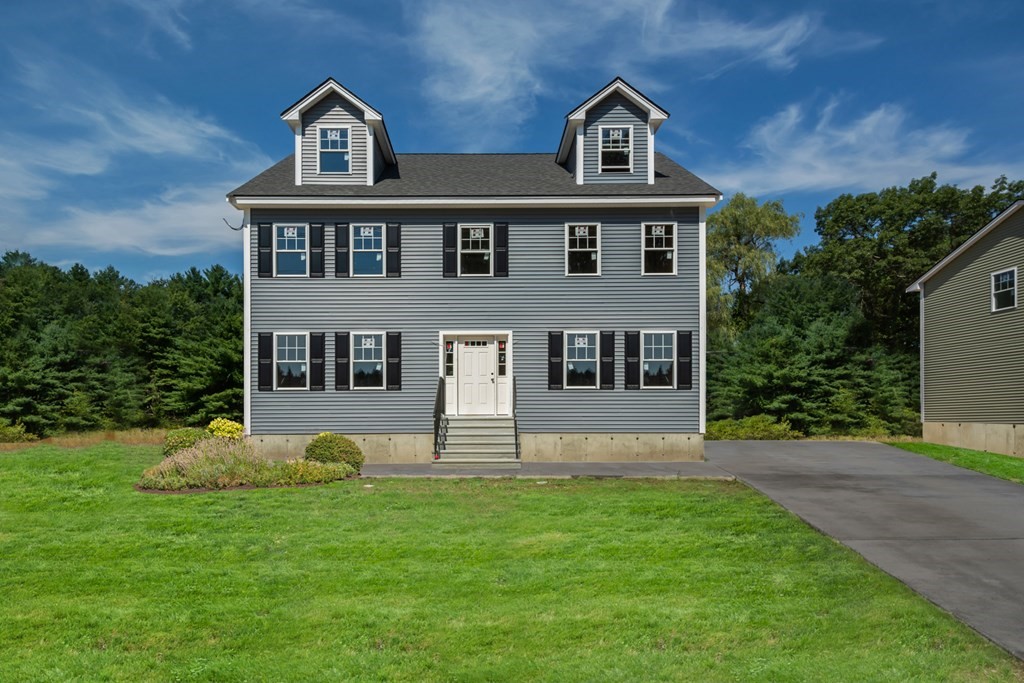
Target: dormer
[[339, 139], [610, 137]]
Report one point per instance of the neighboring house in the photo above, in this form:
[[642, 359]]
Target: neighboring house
[[972, 341], [476, 307]]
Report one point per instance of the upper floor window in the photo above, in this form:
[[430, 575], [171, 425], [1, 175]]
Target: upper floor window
[[368, 250], [581, 360], [616, 149], [291, 358], [367, 360], [659, 250], [475, 249], [1004, 289], [290, 250], [335, 150], [658, 360], [582, 249]]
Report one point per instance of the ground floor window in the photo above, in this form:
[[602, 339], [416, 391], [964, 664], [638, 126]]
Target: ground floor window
[[291, 361], [658, 361], [581, 360], [367, 360]]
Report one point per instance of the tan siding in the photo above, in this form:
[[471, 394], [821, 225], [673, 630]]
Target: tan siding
[[974, 358], [336, 110]]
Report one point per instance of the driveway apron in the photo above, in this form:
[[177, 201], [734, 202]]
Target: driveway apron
[[953, 535]]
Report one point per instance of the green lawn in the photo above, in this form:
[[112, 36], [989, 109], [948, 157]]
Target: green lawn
[[1002, 466], [462, 580]]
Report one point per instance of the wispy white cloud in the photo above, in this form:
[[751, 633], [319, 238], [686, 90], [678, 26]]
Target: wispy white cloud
[[161, 16], [793, 151]]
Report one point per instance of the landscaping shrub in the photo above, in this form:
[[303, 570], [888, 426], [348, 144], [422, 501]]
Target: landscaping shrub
[[756, 427], [328, 447], [226, 429], [217, 463], [14, 433], [187, 437]]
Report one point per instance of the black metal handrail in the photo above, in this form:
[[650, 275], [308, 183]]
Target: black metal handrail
[[439, 401], [515, 419]]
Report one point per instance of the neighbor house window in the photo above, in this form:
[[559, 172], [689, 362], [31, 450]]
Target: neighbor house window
[[658, 361], [290, 250], [1004, 289], [582, 249], [475, 247], [335, 150], [291, 361], [367, 250], [659, 249], [367, 360], [581, 360], [616, 149]]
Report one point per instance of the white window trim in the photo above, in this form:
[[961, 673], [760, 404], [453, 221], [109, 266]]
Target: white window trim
[[992, 289], [675, 360], [352, 359], [597, 359], [675, 248], [308, 363], [351, 159], [383, 248], [600, 143], [458, 251], [290, 251], [600, 236]]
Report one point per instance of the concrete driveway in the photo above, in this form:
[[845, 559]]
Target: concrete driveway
[[954, 536]]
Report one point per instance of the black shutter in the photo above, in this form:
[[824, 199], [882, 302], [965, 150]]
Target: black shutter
[[607, 359], [556, 351], [265, 241], [394, 356], [317, 371], [451, 256], [394, 245], [632, 360], [266, 361], [501, 250], [341, 352], [684, 359], [316, 249], [341, 250]]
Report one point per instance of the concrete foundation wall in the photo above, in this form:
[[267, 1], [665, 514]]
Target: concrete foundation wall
[[379, 449], [1007, 439]]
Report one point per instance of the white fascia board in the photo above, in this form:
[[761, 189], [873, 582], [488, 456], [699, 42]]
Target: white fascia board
[[702, 304], [247, 322], [465, 202], [974, 239], [636, 98]]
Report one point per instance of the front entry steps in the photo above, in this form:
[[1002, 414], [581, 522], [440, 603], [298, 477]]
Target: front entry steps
[[479, 442]]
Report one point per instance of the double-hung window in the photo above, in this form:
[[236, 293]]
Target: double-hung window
[[291, 360], [616, 149], [582, 249], [368, 250], [290, 246], [1004, 290], [335, 150], [657, 364], [475, 250], [581, 360], [367, 360], [659, 249]]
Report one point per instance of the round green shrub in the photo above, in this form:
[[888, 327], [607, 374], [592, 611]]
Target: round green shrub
[[225, 428], [187, 437], [329, 447]]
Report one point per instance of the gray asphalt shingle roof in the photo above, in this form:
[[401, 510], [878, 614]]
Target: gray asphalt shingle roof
[[476, 175]]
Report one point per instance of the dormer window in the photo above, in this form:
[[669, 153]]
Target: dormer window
[[616, 149], [335, 150]]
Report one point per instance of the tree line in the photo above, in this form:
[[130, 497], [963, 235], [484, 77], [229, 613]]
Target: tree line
[[826, 339]]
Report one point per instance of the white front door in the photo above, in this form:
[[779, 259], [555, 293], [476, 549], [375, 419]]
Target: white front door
[[476, 369]]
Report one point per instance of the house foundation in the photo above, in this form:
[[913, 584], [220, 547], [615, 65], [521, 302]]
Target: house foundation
[[1007, 439]]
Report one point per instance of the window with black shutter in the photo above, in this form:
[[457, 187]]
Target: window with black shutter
[[501, 250], [341, 250], [316, 250], [684, 359], [394, 255], [317, 371], [632, 360], [394, 360], [341, 361], [265, 247], [450, 246], [555, 356], [607, 355], [266, 361]]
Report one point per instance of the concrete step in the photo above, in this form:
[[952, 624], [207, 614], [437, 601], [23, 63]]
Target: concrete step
[[476, 463], [461, 438], [481, 451]]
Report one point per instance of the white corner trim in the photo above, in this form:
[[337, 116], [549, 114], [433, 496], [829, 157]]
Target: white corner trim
[[920, 351], [371, 176], [298, 153], [702, 288], [650, 155], [580, 141], [357, 202], [247, 322]]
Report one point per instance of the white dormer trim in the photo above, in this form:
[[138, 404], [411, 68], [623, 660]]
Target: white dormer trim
[[298, 152], [579, 155], [371, 174], [650, 158], [374, 119]]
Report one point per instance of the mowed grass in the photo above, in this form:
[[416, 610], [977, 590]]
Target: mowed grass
[[448, 580], [994, 464]]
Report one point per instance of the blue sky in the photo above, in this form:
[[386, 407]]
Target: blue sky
[[125, 122]]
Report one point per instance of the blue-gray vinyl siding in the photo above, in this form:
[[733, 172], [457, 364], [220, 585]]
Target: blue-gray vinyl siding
[[337, 111], [614, 110], [536, 298]]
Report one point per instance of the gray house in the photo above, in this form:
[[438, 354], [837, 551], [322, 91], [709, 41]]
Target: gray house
[[972, 341], [476, 307]]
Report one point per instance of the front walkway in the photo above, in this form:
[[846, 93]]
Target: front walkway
[[561, 470], [953, 535]]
